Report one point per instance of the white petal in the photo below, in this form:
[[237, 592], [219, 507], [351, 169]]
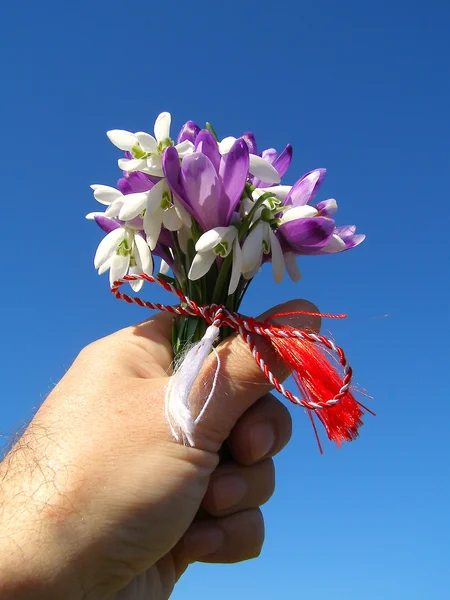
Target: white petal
[[147, 142], [164, 268], [253, 248], [250, 274], [182, 213], [114, 209], [226, 144], [236, 268], [90, 216], [211, 238], [154, 196], [133, 205], [143, 255], [153, 165], [171, 220], [277, 257], [152, 227], [334, 245], [124, 140], [131, 165], [108, 246], [105, 266], [290, 260], [260, 168], [162, 126], [185, 148], [298, 212], [201, 264], [279, 191], [136, 286], [184, 235], [105, 194], [119, 267]]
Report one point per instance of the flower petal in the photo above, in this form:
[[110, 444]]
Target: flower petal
[[233, 172], [201, 264], [250, 140], [164, 268], [277, 257], [226, 144], [207, 145], [290, 261], [108, 246], [124, 140], [136, 286], [189, 131], [279, 191], [335, 244], [263, 170], [307, 235], [162, 126], [106, 224], [147, 142], [133, 205], [130, 165], [185, 148], [154, 165], [282, 162], [154, 196], [202, 188], [236, 268], [171, 220], [172, 171], [297, 212], [345, 230], [306, 188], [105, 194], [214, 236], [327, 208], [119, 267], [152, 227], [113, 209], [143, 255], [253, 248]]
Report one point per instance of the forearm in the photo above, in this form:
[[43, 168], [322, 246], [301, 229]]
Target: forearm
[[34, 549]]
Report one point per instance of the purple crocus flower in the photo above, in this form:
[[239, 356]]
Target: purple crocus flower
[[304, 190], [209, 185], [106, 223]]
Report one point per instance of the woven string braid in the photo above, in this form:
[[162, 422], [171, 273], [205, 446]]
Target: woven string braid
[[220, 316]]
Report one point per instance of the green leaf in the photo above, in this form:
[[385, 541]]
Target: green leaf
[[211, 129]]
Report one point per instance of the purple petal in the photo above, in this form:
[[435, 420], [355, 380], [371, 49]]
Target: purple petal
[[250, 140], [203, 189], [345, 230], [282, 163], [207, 145], [172, 171], [136, 182], [270, 155], [189, 131], [106, 224], [233, 172], [306, 236], [354, 240], [306, 188]]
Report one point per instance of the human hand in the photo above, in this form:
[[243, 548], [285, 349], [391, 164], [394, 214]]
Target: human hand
[[98, 502]]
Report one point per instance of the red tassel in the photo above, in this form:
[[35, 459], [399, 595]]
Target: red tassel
[[319, 381]]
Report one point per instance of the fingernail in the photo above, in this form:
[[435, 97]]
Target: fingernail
[[228, 491], [262, 440]]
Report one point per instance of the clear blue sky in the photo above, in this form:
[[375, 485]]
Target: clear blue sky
[[361, 88]]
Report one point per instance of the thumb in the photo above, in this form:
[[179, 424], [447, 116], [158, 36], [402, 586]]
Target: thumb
[[240, 381]]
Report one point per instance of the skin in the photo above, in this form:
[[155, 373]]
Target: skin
[[98, 502]]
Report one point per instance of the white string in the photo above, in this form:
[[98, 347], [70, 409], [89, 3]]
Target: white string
[[177, 405]]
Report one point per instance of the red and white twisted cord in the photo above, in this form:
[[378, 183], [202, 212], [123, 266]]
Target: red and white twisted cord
[[220, 316]]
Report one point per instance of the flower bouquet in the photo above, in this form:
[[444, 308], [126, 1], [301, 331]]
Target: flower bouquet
[[214, 210]]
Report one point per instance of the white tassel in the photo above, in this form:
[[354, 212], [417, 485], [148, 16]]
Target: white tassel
[[179, 415]]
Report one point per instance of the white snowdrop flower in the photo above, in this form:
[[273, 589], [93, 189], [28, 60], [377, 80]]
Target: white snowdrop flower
[[262, 240], [219, 241], [147, 149], [259, 167], [123, 251]]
